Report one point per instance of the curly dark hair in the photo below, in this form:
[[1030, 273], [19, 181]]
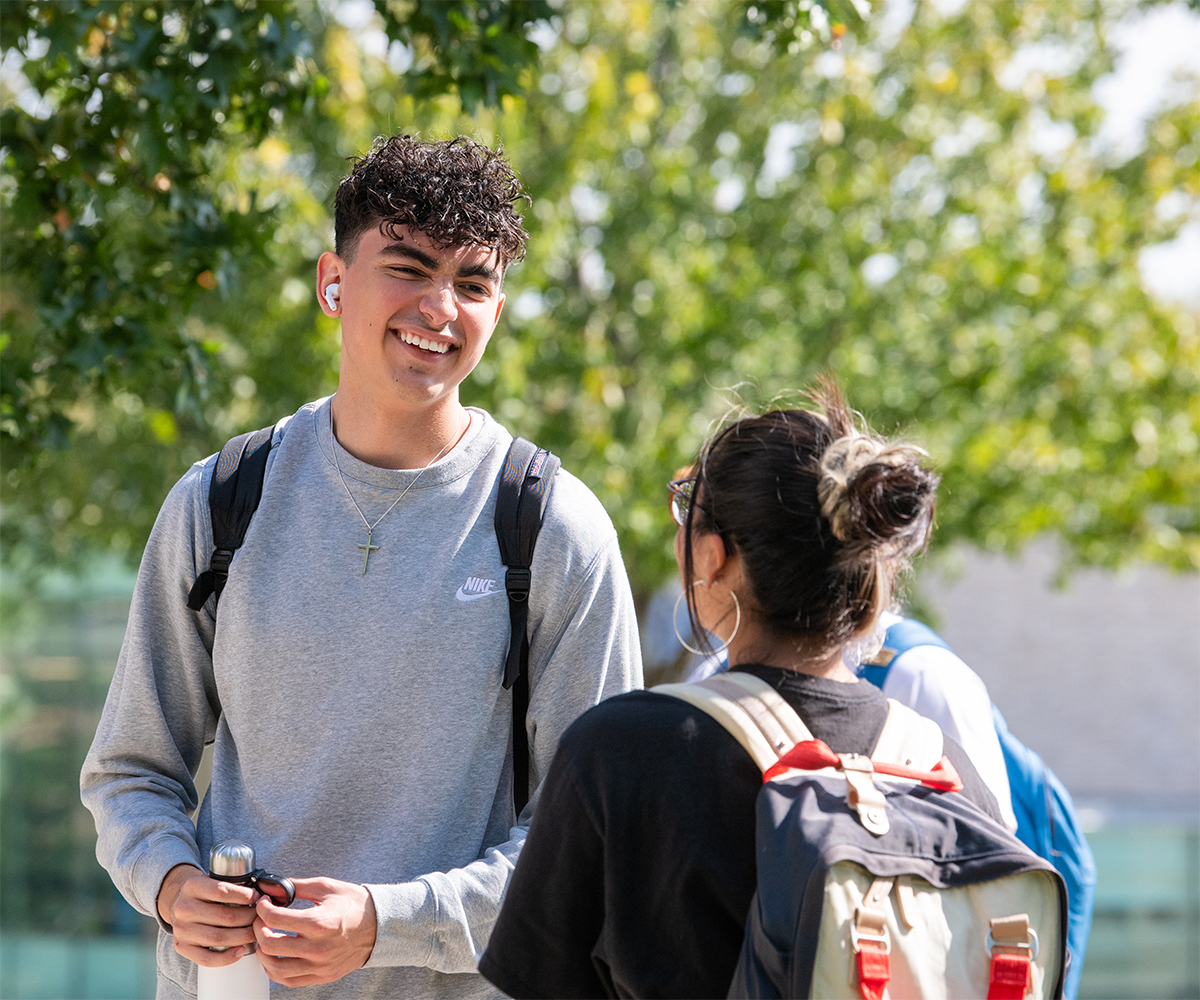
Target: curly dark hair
[[457, 192]]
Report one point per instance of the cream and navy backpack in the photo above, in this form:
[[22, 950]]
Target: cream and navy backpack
[[873, 882]]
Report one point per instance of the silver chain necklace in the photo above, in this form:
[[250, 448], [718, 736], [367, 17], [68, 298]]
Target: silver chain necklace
[[367, 548]]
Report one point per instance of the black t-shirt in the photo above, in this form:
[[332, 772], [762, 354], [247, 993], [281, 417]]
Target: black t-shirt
[[638, 872]]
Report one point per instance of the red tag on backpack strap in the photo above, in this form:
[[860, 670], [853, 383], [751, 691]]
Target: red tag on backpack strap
[[874, 969], [1010, 975], [813, 755]]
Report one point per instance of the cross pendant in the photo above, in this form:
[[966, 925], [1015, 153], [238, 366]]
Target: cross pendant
[[367, 549]]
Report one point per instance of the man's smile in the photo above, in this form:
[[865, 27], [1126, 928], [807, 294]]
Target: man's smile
[[429, 345]]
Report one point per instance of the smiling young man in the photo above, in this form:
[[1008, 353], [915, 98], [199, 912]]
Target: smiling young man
[[351, 681]]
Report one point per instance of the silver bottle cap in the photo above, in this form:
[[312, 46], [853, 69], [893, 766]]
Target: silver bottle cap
[[231, 858]]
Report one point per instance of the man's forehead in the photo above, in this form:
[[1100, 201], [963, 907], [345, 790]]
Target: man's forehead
[[403, 241]]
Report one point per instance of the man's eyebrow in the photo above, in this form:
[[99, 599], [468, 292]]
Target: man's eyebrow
[[409, 253], [482, 270]]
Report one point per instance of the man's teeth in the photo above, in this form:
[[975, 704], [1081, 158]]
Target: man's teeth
[[425, 344]]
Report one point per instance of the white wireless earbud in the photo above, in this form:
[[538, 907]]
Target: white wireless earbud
[[331, 295]]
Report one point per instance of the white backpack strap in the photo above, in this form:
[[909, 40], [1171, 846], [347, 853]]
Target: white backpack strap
[[775, 717], [908, 739], [732, 716], [750, 709]]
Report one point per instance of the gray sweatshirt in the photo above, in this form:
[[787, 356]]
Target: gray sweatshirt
[[359, 726]]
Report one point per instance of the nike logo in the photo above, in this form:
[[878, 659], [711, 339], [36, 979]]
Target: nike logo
[[477, 587]]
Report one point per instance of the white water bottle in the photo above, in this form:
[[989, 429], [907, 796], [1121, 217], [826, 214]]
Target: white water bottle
[[245, 979]]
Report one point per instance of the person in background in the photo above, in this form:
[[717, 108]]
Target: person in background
[[639, 870], [934, 681], [915, 666], [350, 682]]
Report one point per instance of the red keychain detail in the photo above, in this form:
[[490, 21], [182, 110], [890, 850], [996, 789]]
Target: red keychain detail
[[874, 969], [1009, 979]]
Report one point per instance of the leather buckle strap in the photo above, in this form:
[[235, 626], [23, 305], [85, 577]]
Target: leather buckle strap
[[907, 900], [1013, 945], [861, 794], [870, 941]]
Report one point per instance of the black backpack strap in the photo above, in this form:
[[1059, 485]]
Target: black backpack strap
[[233, 496], [525, 483]]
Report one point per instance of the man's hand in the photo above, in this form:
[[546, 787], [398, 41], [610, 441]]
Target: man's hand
[[332, 938], [204, 913]]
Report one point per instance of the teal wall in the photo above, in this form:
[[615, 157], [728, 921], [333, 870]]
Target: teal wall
[[55, 967], [1145, 940]]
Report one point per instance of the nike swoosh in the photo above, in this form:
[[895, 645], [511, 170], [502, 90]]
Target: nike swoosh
[[462, 595]]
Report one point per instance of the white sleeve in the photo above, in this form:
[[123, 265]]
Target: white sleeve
[[936, 683]]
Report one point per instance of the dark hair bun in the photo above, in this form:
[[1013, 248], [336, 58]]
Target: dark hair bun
[[876, 496]]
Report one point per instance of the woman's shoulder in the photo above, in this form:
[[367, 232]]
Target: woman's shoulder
[[633, 714], [658, 758], [645, 726]]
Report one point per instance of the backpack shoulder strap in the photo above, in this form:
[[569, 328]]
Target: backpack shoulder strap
[[752, 711], [906, 634], [908, 739], [233, 496], [525, 483], [524, 490]]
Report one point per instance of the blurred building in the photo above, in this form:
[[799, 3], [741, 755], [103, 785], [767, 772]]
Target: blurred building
[[64, 930], [1102, 677]]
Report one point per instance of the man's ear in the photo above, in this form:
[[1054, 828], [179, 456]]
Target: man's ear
[[499, 306], [330, 275]]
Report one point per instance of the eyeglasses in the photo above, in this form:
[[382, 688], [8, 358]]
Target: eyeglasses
[[682, 494]]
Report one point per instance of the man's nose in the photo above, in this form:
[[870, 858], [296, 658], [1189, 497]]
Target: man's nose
[[438, 305]]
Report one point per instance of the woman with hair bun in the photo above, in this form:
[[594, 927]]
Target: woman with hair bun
[[639, 868]]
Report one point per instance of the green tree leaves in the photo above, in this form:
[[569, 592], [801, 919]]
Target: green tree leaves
[[948, 244], [724, 196], [156, 167], [478, 49], [117, 225]]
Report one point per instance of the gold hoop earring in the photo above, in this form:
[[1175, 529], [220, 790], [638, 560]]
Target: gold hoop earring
[[725, 645]]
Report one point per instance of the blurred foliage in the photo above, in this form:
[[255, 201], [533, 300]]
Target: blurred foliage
[[724, 195], [475, 48], [164, 163], [904, 211]]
